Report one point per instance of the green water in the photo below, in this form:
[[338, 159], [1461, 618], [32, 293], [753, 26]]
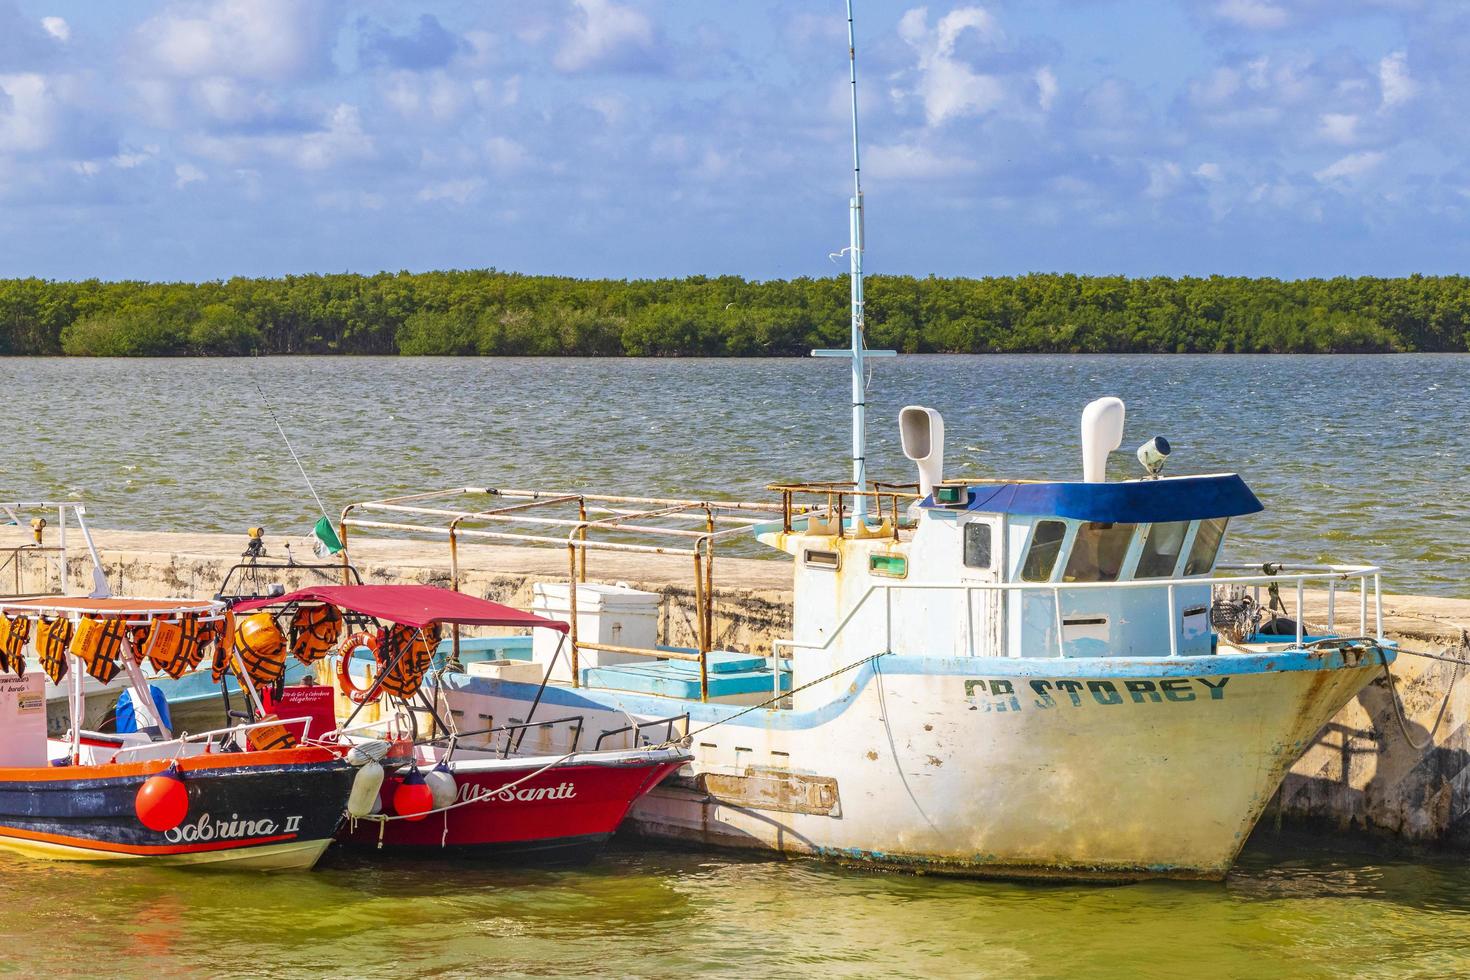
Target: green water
[[1357, 458], [661, 913]]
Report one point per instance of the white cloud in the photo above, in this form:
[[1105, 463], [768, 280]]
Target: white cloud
[[1165, 177], [457, 191], [433, 95], [606, 35], [1394, 80], [272, 40], [340, 139], [349, 200], [57, 27], [1339, 127], [32, 119], [127, 160], [343, 139], [186, 174], [1209, 171], [1258, 15], [947, 86], [1046, 86], [506, 154], [1350, 167], [907, 161]]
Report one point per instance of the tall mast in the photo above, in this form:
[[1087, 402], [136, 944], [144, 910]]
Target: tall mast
[[856, 350]]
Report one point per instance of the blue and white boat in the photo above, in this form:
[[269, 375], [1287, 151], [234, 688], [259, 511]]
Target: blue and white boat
[[994, 677], [1012, 678]]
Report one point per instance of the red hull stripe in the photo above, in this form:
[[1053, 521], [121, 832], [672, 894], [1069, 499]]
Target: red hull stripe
[[87, 844]]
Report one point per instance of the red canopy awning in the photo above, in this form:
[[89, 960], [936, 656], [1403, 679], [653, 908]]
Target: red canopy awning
[[411, 605]]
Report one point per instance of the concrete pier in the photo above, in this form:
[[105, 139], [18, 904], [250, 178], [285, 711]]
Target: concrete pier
[[1361, 774]]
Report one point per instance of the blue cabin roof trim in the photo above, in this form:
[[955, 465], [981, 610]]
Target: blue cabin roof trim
[[1185, 498]]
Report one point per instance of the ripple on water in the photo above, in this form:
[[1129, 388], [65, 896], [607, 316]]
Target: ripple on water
[[1376, 478]]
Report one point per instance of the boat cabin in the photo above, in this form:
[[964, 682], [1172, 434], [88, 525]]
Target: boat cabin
[[1012, 569]]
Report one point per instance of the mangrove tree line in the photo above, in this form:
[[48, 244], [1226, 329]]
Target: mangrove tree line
[[491, 312]]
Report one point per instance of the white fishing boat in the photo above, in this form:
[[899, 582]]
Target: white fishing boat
[[984, 676]]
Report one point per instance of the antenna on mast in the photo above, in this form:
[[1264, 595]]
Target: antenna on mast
[[856, 350]]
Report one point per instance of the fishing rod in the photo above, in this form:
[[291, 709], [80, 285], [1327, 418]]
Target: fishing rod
[[323, 531]]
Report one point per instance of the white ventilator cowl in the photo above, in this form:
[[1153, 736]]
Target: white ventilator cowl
[[921, 431], [1102, 432]]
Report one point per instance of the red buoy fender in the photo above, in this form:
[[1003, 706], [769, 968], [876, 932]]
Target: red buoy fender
[[162, 802], [413, 799]]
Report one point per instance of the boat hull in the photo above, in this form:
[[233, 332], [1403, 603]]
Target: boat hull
[[571, 808], [1117, 769], [268, 810]]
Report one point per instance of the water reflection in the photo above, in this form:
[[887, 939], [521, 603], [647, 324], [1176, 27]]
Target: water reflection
[[657, 912]]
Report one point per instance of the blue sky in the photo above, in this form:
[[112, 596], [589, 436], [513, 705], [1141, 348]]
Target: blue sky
[[210, 138]]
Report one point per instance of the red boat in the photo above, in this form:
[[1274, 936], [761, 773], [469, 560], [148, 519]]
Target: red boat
[[550, 804], [437, 792]]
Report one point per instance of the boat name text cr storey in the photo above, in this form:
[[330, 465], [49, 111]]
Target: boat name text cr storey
[[1054, 693]]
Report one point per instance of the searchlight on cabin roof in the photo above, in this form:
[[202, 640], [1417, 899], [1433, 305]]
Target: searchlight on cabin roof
[[1152, 455]]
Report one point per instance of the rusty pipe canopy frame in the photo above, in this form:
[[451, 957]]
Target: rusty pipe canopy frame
[[835, 497], [581, 523]]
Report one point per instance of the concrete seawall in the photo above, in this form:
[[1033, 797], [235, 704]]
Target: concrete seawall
[[1362, 773]]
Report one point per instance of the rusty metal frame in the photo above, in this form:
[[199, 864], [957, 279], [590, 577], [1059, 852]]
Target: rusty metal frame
[[884, 496], [432, 514]]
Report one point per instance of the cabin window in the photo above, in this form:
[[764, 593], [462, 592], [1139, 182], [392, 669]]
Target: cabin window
[[822, 559], [1098, 553], [977, 545], [1161, 549], [1046, 544], [889, 566], [1206, 547]]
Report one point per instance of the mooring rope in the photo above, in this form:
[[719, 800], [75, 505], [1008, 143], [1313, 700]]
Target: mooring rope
[[769, 701], [1393, 696]]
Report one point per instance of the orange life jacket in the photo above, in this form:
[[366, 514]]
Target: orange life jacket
[[53, 636], [269, 737], [174, 647], [261, 648], [403, 679], [138, 640], [97, 643], [316, 629], [222, 634], [13, 636]]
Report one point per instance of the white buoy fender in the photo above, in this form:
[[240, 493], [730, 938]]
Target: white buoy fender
[[365, 752], [441, 783], [365, 788]]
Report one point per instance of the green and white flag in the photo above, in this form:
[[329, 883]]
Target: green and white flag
[[324, 537]]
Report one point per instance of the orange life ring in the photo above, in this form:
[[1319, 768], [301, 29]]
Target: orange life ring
[[344, 666]]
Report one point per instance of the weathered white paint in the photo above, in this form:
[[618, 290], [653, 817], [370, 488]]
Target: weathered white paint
[[1034, 780]]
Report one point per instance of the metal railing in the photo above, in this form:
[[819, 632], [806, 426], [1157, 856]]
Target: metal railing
[[637, 729], [834, 507], [210, 736], [588, 523], [1330, 575], [68, 513]]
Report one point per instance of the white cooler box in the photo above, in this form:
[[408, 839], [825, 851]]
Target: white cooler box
[[611, 614]]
